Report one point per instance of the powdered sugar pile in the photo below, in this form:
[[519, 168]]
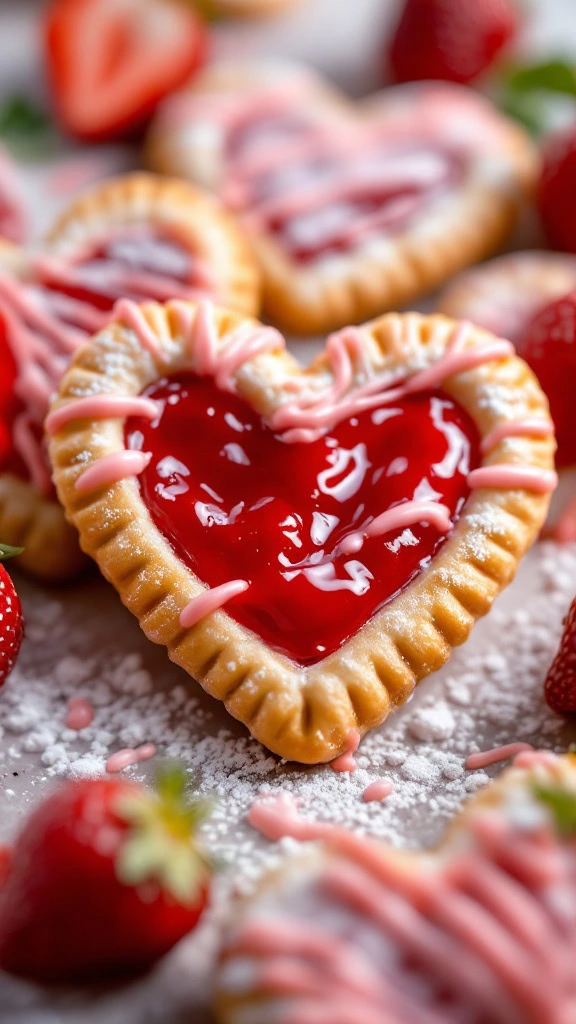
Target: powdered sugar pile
[[83, 643]]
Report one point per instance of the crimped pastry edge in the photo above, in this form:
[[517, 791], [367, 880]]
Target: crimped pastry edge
[[36, 522], [477, 219], [304, 714]]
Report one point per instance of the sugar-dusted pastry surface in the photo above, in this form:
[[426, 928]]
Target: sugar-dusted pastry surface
[[490, 693]]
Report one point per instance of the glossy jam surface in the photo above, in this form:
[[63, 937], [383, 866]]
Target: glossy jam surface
[[238, 503]]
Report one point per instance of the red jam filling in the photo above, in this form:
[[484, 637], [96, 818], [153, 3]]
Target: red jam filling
[[236, 502]]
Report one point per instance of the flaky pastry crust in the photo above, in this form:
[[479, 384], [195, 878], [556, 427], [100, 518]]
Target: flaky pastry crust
[[304, 714], [465, 226], [36, 522]]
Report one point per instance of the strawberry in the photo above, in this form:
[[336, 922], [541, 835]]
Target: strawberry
[[105, 878], [557, 189], [560, 685], [549, 348], [454, 40], [110, 62], [11, 622]]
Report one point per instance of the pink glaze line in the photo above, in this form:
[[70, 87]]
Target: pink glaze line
[[112, 468], [128, 757], [529, 478], [346, 761], [278, 818], [377, 791], [102, 407], [304, 421], [210, 601], [131, 315], [516, 428], [401, 516], [487, 757], [80, 713]]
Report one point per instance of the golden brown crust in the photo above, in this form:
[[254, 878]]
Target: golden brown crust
[[196, 217], [304, 714], [36, 522], [471, 223], [247, 8]]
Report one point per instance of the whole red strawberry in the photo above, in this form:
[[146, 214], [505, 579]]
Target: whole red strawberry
[[560, 685], [557, 190], [104, 879], [454, 40], [549, 348], [11, 622]]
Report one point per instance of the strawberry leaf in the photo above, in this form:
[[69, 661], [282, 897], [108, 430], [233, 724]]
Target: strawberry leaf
[[562, 804], [8, 551], [161, 843], [530, 92], [557, 76]]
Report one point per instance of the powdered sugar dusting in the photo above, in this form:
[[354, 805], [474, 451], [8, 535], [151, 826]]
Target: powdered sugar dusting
[[490, 693]]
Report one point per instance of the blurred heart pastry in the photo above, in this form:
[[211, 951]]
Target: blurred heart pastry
[[353, 208], [504, 294], [481, 929], [336, 531], [138, 236], [13, 219]]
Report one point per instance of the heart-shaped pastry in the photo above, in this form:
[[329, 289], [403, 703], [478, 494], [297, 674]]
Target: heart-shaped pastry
[[353, 518], [481, 930], [504, 294], [353, 209], [138, 236]]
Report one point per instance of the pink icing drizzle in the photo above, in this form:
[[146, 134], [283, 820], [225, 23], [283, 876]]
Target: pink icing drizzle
[[278, 818], [128, 757], [399, 517], [479, 933], [308, 417], [487, 757], [529, 478], [516, 428], [112, 468], [44, 327], [210, 601], [101, 407], [305, 419], [346, 761], [322, 149], [377, 791], [80, 713]]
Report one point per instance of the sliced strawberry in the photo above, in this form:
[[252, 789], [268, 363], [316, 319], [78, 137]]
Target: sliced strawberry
[[110, 62], [560, 685], [454, 40], [105, 878], [557, 190], [11, 621], [549, 348]]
